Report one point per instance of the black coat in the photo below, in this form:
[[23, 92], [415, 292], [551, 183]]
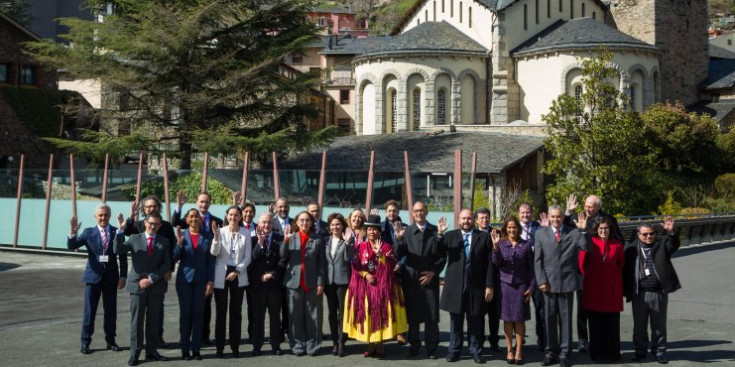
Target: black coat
[[424, 251], [480, 272], [266, 262], [663, 248]]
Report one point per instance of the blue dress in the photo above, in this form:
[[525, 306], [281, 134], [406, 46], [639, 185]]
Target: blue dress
[[515, 266]]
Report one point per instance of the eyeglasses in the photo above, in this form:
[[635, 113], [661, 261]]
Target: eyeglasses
[[603, 229], [152, 224], [647, 234]]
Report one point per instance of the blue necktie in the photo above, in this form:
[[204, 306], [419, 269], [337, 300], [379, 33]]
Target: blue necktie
[[467, 246]]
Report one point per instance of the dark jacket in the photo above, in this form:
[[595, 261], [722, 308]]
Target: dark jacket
[[471, 278], [144, 266], [557, 264], [662, 250], [265, 261], [194, 264], [94, 270], [166, 230]]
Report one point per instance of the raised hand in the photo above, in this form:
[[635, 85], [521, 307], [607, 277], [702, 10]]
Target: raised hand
[[134, 210], [179, 236], [236, 197], [399, 229], [441, 225], [571, 204], [668, 224], [181, 198], [543, 220], [74, 225], [215, 229], [120, 221], [495, 236], [374, 211], [261, 236], [582, 221], [347, 234], [287, 233]]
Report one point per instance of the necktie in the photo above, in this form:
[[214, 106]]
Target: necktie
[[526, 231], [105, 242], [556, 234], [150, 246], [467, 246]]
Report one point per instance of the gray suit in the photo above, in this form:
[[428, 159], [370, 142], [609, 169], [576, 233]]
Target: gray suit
[[302, 327], [145, 304], [339, 269], [557, 265]]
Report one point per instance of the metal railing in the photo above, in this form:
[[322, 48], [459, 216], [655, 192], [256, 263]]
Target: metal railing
[[690, 231]]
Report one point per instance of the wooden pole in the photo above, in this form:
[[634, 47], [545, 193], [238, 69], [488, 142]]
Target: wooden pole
[[322, 180], [473, 171], [409, 187], [48, 199], [369, 194], [166, 194], [137, 186], [73, 186], [104, 178], [276, 186], [244, 184], [17, 206], [457, 185], [205, 172]]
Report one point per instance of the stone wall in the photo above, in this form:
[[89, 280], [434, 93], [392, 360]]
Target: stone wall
[[679, 29]]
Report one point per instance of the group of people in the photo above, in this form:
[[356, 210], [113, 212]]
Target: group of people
[[380, 279]]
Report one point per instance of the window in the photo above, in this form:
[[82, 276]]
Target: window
[[345, 126], [584, 11], [435, 10], [4, 73], [535, 10], [469, 16], [578, 92], [416, 110], [426, 15], [441, 107], [548, 8], [344, 96], [729, 42], [27, 75], [393, 110], [297, 58], [525, 17], [561, 5], [322, 22], [571, 9], [460, 12], [594, 15], [442, 6], [633, 96], [451, 8]]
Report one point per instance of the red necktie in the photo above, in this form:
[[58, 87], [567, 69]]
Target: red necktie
[[556, 233], [150, 246]]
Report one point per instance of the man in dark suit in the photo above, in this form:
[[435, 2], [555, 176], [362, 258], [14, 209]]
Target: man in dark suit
[[468, 286], [425, 259], [482, 220], [265, 276], [150, 262], [593, 210], [321, 228], [528, 233], [101, 275], [388, 235], [556, 258], [151, 205], [204, 201], [280, 222], [649, 277]]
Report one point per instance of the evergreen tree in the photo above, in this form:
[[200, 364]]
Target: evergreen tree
[[18, 10], [599, 144], [189, 72]]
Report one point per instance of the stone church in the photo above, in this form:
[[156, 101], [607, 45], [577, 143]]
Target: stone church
[[496, 65]]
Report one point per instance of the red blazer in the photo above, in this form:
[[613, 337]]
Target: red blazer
[[602, 289]]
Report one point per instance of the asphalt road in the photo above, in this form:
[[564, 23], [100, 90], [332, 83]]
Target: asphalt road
[[41, 310]]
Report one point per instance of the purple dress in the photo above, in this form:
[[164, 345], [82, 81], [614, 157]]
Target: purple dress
[[515, 266]]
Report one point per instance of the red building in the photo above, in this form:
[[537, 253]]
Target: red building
[[340, 21]]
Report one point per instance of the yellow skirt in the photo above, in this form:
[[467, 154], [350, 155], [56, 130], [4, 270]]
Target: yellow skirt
[[354, 331]]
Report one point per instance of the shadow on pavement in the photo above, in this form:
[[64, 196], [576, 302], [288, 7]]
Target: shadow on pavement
[[8, 266], [686, 250]]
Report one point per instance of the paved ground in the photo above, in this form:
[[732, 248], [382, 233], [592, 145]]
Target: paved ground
[[40, 318]]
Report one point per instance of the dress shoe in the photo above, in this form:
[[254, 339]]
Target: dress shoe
[[565, 362], [452, 358], [111, 345], [412, 353], [341, 349], [155, 357], [133, 361], [660, 358], [85, 349], [638, 357], [495, 348], [582, 346], [235, 354], [196, 356], [185, 356], [208, 342], [548, 361], [257, 352], [161, 343], [519, 362], [432, 355], [300, 354], [335, 348], [277, 352], [479, 359]]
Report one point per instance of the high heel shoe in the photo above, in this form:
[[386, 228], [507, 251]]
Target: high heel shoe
[[510, 358], [519, 359]]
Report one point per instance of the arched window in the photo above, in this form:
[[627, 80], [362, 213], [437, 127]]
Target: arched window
[[525, 17], [584, 11], [416, 110], [393, 111], [561, 5], [571, 9], [460, 12], [441, 107], [469, 15], [578, 92], [594, 15], [535, 10]]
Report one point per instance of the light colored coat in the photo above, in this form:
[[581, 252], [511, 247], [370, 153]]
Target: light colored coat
[[243, 255]]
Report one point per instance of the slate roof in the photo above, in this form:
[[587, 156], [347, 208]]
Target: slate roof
[[720, 74], [355, 46], [719, 111], [581, 33], [427, 152], [717, 52]]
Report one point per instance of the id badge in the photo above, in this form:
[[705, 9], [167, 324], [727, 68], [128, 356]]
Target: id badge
[[103, 258], [647, 272]]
